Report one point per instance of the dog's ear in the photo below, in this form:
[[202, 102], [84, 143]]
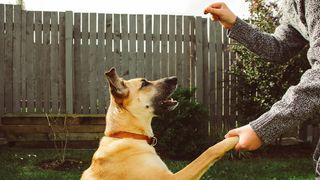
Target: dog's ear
[[117, 87]]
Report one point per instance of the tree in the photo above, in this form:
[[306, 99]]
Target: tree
[[22, 3], [261, 83]]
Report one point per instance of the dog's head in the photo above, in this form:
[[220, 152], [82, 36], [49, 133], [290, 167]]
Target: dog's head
[[141, 97]]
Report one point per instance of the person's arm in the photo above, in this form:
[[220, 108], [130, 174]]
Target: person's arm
[[285, 43], [302, 101]]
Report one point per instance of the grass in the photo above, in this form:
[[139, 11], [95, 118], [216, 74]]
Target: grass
[[22, 164]]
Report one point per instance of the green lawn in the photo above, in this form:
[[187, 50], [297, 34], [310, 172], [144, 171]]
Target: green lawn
[[21, 164]]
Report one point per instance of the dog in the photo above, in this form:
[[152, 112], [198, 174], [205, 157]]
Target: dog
[[126, 151]]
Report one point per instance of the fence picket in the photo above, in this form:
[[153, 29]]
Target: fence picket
[[54, 60], [186, 49], [45, 59], [84, 65], [179, 62], [8, 59], [124, 47], [148, 59], [199, 61], [164, 46], [23, 62], [92, 64], [16, 61], [29, 62], [116, 40], [140, 54], [100, 66], [172, 46], [212, 77], [62, 66], [156, 48], [132, 53], [219, 77], [77, 62], [226, 81], [2, 61]]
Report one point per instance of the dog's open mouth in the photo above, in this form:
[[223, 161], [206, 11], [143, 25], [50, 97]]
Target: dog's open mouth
[[169, 103]]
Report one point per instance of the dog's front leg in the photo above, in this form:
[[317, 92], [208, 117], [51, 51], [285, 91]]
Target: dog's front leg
[[198, 167]]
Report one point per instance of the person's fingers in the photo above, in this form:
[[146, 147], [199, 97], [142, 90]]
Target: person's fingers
[[232, 133], [214, 11], [215, 17]]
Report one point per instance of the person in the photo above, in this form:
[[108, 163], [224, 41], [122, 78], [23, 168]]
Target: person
[[299, 26]]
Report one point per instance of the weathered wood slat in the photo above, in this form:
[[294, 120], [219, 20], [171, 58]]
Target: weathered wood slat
[[109, 54], [226, 81], [38, 62], [206, 101], [179, 62], [23, 62], [186, 48], [132, 41], [2, 61], [54, 59], [193, 53], [116, 41], [124, 47], [101, 65], [45, 62], [16, 61], [199, 65], [148, 59], [85, 102], [8, 59], [30, 56], [92, 65], [140, 54], [156, 48], [172, 46], [164, 46], [212, 77], [69, 61], [62, 66], [77, 63], [233, 93], [219, 76]]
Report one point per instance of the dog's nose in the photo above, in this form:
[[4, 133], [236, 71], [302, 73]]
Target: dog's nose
[[171, 80]]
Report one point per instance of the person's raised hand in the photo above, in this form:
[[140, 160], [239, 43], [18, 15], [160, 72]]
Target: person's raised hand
[[248, 139], [220, 12]]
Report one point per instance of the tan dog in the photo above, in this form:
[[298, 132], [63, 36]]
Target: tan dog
[[126, 151]]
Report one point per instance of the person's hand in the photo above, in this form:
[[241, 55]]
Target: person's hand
[[248, 139], [220, 12]]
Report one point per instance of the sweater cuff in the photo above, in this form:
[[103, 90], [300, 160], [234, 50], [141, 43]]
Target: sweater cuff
[[239, 30], [264, 128]]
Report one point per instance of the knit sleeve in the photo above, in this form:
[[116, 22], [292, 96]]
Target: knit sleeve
[[278, 47], [302, 101]]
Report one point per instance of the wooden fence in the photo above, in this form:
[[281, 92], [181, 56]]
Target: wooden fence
[[54, 62]]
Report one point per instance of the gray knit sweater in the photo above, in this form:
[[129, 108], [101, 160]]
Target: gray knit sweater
[[299, 25]]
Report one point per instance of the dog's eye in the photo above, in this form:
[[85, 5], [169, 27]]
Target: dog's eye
[[145, 83]]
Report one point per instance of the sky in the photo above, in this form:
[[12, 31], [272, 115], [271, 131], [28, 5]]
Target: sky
[[170, 7]]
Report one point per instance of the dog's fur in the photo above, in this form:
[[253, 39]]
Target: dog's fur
[[132, 106]]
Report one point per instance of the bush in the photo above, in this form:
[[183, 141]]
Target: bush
[[181, 133]]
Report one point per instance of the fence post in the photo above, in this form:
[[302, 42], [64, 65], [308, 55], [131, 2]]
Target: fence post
[[69, 61]]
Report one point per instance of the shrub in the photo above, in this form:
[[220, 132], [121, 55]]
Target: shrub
[[181, 133]]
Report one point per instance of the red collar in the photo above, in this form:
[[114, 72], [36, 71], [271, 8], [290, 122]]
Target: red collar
[[122, 134]]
